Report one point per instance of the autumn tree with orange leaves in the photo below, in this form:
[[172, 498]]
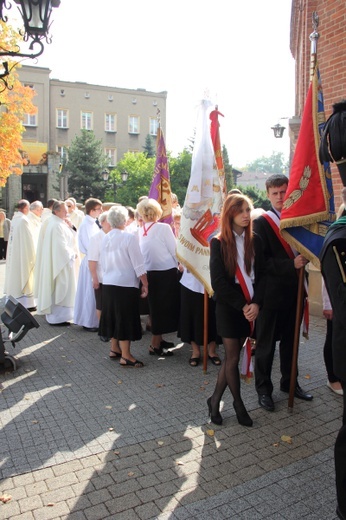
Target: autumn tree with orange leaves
[[16, 101]]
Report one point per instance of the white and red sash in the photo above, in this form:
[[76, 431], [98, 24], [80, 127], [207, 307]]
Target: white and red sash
[[248, 292], [274, 222]]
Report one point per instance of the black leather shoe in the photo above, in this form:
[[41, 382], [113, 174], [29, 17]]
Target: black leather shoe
[[299, 393], [91, 329], [266, 402]]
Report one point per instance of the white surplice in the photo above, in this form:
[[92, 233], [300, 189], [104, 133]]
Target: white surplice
[[85, 304], [20, 261], [56, 275]]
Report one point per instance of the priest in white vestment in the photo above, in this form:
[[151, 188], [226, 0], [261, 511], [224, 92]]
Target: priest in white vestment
[[20, 259], [75, 214], [85, 305], [47, 212], [56, 273], [34, 216]]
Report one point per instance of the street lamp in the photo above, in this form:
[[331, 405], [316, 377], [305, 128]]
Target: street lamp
[[124, 176], [278, 130], [36, 17]]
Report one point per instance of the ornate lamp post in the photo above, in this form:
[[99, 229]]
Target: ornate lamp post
[[278, 130], [124, 176], [36, 17]]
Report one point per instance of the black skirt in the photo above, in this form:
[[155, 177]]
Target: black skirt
[[191, 323], [98, 297], [120, 317], [143, 303], [231, 323], [164, 300]]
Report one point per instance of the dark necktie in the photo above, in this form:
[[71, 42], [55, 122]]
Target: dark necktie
[[98, 223]]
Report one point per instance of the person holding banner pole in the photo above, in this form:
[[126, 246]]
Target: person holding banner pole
[[278, 316], [237, 271]]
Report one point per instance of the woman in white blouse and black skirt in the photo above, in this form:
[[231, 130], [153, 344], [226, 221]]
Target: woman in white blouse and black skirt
[[158, 246], [123, 268]]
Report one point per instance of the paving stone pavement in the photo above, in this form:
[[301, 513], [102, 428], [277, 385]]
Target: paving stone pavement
[[85, 439]]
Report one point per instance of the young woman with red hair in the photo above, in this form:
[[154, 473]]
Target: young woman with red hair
[[237, 271]]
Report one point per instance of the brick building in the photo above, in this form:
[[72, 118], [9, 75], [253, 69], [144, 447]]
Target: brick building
[[331, 55]]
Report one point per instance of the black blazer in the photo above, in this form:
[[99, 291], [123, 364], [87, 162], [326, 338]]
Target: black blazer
[[226, 291], [333, 267], [282, 277]]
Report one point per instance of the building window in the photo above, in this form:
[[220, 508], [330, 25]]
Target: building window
[[30, 120], [111, 153], [133, 124], [153, 125], [87, 121], [110, 123], [63, 151], [61, 118]]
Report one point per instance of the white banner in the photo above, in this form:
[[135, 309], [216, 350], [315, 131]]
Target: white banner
[[201, 212]]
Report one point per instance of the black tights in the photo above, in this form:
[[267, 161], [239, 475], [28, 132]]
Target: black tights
[[228, 374]]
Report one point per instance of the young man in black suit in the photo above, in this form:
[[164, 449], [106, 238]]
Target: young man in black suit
[[276, 320]]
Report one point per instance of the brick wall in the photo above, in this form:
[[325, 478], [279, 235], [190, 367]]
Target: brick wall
[[331, 53]]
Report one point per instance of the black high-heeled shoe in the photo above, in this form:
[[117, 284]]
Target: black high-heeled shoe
[[216, 419], [243, 417]]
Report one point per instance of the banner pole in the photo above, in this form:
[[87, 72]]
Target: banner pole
[[299, 312], [205, 332]]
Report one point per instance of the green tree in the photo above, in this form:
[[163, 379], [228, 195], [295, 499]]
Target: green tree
[[273, 164], [258, 197], [86, 161], [228, 169], [180, 171], [149, 147], [140, 171]]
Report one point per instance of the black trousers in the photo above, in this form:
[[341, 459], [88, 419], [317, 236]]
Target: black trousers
[[328, 353], [273, 326], [3, 249], [340, 460]]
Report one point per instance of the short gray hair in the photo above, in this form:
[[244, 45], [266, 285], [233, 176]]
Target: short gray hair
[[103, 217], [117, 216], [57, 205], [37, 204]]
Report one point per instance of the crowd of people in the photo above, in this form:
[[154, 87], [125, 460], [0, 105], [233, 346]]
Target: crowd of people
[[104, 270]]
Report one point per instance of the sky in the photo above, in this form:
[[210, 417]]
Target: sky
[[235, 53]]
